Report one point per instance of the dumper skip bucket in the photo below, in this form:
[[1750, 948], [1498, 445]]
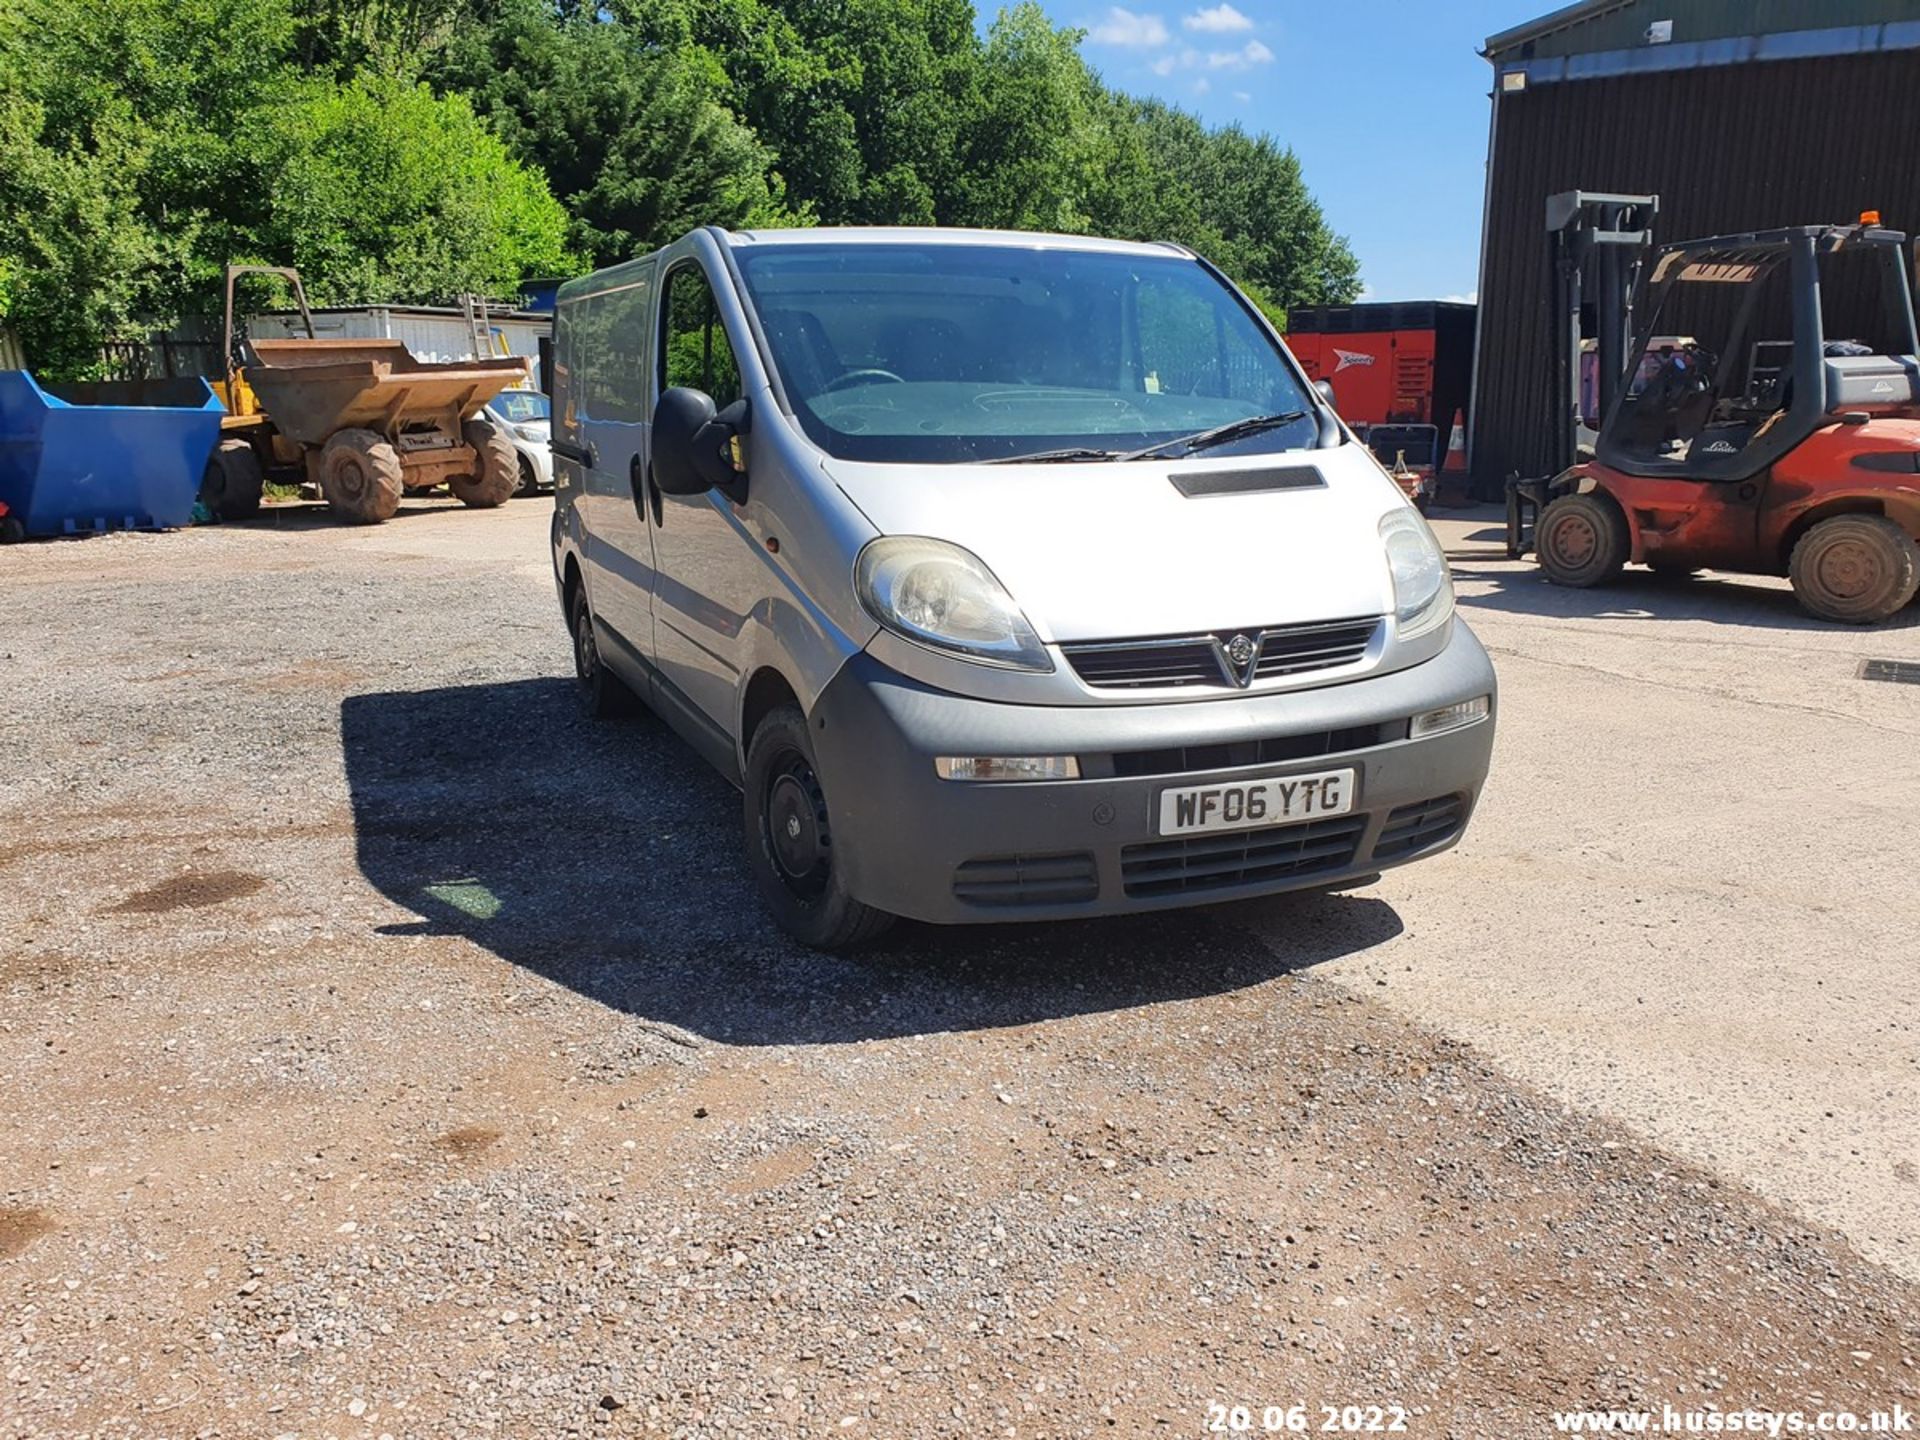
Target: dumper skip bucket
[[104, 455]]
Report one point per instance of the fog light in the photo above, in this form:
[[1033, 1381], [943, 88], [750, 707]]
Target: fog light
[[1007, 767], [1451, 717]]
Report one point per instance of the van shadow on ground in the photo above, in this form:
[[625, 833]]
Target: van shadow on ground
[[607, 857]]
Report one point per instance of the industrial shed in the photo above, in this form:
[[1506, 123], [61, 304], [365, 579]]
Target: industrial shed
[[1739, 114]]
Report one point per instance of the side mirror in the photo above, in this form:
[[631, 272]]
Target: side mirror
[[694, 450], [1324, 388]]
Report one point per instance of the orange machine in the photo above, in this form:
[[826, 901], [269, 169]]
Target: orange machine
[[1767, 443]]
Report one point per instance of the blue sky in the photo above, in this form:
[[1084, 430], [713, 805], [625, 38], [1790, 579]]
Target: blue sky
[[1385, 102]]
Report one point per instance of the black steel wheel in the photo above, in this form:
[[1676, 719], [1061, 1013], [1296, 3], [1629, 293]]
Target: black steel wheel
[[603, 695], [1581, 540], [790, 841]]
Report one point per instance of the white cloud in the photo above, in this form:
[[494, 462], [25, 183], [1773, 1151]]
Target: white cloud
[[1221, 19], [1252, 53], [1165, 65], [1202, 85], [1243, 96], [1135, 32], [1472, 297]]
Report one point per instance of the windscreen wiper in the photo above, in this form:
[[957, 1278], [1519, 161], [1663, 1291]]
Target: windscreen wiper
[[1218, 435], [1045, 457]]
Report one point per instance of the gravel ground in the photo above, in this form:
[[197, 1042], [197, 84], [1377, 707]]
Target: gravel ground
[[391, 1052]]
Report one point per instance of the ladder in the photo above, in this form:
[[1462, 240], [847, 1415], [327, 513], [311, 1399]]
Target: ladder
[[479, 331]]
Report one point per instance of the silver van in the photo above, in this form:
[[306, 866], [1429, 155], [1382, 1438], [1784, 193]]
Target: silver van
[[1009, 576]]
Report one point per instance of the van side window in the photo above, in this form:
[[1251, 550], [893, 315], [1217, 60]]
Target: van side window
[[695, 351], [560, 384], [608, 359]]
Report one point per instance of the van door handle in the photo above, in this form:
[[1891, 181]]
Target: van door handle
[[579, 454]]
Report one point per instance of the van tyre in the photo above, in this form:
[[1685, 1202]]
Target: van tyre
[[1855, 569], [498, 472], [1581, 541], [603, 695], [790, 841], [233, 482], [360, 477]]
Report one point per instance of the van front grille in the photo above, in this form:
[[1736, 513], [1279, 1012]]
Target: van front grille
[[1149, 664], [1178, 662], [1231, 755], [1027, 879], [1239, 857], [1419, 825]]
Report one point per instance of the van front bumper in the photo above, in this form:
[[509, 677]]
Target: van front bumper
[[961, 852]]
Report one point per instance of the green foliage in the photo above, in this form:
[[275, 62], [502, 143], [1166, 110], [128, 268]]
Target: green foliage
[[634, 138], [72, 241], [412, 149], [375, 190], [145, 143]]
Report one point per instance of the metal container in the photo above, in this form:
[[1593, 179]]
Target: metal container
[[313, 388], [105, 455]]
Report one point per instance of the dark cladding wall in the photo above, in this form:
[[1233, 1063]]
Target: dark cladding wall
[[1729, 148]]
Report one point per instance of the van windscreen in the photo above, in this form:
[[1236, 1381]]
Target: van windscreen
[[961, 352]]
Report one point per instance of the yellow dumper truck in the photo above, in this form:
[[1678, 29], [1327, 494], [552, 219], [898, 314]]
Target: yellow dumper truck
[[363, 421]]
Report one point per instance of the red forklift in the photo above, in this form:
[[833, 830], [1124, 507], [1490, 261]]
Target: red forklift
[[1759, 409]]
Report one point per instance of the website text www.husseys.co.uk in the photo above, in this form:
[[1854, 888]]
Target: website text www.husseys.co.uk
[[1773, 1423]]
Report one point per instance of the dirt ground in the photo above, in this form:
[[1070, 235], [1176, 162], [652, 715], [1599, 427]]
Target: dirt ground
[[389, 1051]]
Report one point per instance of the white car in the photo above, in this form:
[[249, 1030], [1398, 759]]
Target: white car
[[527, 418]]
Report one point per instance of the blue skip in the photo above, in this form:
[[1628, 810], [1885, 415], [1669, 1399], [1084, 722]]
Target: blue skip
[[102, 455]]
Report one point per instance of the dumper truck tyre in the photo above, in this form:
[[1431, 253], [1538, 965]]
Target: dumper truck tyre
[[360, 476], [1581, 541], [498, 475], [1856, 569], [234, 481]]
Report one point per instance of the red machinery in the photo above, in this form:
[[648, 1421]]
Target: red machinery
[[1746, 448], [1400, 374]]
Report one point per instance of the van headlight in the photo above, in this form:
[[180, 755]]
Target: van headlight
[[1422, 586], [937, 594]]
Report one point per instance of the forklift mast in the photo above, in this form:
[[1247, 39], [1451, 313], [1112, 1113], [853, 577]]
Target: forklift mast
[[1597, 242]]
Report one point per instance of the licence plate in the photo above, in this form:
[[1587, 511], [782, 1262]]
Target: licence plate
[[1249, 804]]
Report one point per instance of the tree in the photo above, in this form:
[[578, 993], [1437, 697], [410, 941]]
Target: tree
[[377, 191], [633, 137], [144, 143], [75, 247], [1253, 213]]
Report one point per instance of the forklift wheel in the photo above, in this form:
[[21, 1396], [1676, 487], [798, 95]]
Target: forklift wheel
[[1855, 569], [1581, 540]]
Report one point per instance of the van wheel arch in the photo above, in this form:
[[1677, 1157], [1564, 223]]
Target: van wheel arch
[[767, 690], [570, 582]]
